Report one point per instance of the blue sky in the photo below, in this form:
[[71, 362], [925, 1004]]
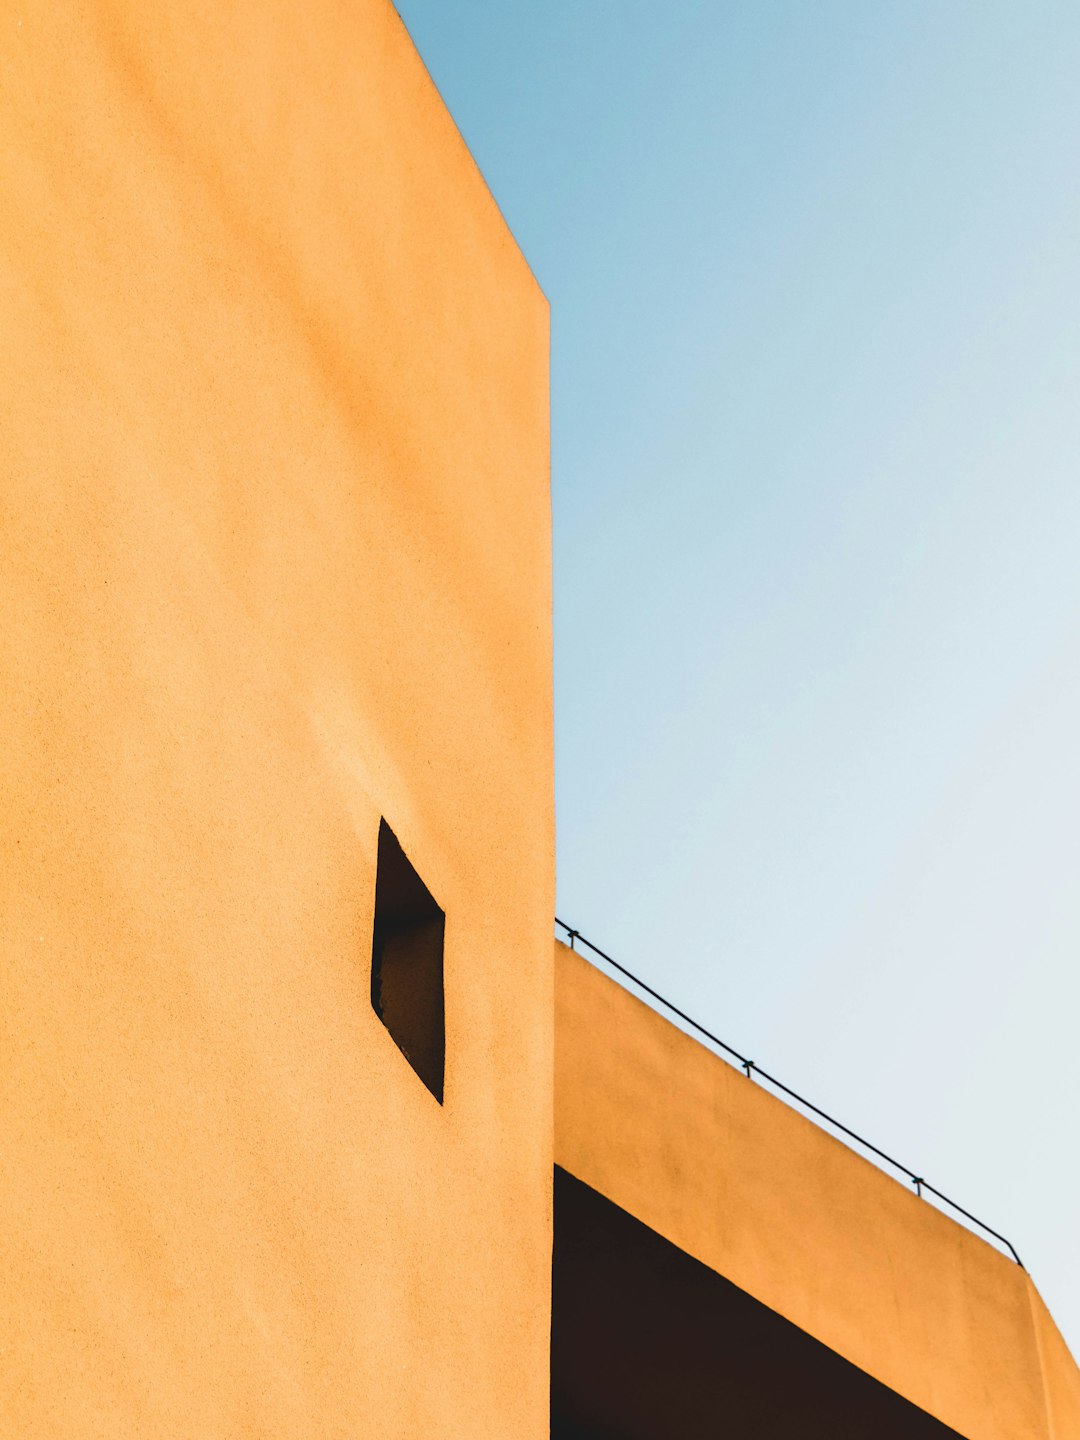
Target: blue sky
[[815, 284]]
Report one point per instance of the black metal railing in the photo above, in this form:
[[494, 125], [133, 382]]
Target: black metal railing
[[751, 1068]]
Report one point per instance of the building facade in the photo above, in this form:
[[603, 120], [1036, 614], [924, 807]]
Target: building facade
[[298, 1102]]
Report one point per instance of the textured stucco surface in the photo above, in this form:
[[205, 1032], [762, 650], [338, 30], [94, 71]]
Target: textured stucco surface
[[1061, 1375], [274, 498], [739, 1180]]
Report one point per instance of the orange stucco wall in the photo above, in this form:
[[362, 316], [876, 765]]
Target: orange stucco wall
[[1061, 1375], [274, 498], [725, 1170]]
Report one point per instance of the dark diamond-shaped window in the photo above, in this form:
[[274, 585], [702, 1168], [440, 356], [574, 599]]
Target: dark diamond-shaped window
[[407, 963]]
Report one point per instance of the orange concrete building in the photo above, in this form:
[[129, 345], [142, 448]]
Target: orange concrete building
[[306, 1129]]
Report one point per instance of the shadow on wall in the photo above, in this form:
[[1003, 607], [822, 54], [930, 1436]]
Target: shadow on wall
[[647, 1343]]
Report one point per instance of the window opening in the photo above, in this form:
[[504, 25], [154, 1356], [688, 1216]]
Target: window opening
[[407, 963]]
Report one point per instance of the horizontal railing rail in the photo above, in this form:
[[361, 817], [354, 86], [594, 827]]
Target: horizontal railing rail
[[751, 1068]]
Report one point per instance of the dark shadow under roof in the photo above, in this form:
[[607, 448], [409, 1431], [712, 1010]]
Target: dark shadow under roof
[[647, 1343]]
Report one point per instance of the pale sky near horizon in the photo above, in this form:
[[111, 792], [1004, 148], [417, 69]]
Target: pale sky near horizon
[[814, 271]]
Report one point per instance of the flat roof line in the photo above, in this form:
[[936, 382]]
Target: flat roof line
[[752, 1068]]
